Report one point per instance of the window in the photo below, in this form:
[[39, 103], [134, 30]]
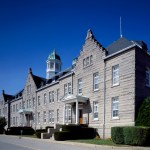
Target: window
[[16, 107], [50, 97], [79, 86], [20, 105], [38, 117], [51, 65], [69, 88], [28, 89], [65, 89], [115, 107], [33, 118], [39, 100], [96, 81], [68, 114], [23, 104], [45, 98], [91, 59], [44, 116], [13, 108], [87, 61], [57, 95], [115, 75], [53, 96], [57, 115], [14, 121], [51, 116], [148, 77], [33, 102], [29, 103], [95, 110]]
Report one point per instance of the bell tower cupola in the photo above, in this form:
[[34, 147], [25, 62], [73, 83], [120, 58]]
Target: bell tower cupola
[[53, 64]]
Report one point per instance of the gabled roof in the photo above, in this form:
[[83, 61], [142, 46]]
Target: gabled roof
[[118, 45], [7, 97], [38, 80]]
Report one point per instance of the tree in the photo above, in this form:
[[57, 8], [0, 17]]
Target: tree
[[3, 123], [143, 118]]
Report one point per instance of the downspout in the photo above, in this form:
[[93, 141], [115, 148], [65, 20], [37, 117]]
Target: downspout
[[104, 99]]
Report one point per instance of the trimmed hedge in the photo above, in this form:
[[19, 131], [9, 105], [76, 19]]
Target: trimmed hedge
[[72, 132], [17, 131], [2, 130], [62, 135], [139, 136], [39, 131], [117, 135]]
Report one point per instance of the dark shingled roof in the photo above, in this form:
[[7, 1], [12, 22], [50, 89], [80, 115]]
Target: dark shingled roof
[[8, 97], [118, 45], [38, 80]]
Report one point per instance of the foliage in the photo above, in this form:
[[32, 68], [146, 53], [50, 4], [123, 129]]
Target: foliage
[[75, 132], [117, 135], [20, 130], [38, 132], [62, 135], [139, 136], [143, 118], [3, 122]]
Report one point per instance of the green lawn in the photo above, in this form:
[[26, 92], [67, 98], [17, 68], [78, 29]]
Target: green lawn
[[97, 141]]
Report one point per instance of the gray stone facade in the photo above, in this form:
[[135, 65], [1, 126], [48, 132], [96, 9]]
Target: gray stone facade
[[103, 88]]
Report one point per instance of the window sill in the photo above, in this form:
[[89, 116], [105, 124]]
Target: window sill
[[87, 66], [95, 90], [95, 119], [115, 85], [115, 118]]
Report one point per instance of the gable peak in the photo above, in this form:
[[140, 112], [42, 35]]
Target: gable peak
[[89, 34]]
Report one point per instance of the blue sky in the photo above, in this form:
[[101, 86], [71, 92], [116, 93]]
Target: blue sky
[[31, 29]]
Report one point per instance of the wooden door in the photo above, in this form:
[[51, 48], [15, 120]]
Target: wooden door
[[80, 116]]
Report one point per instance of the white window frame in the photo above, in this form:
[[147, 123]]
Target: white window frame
[[53, 96], [58, 115], [50, 97], [95, 110], [69, 88], [96, 81], [65, 89], [115, 107], [68, 114], [115, 75], [80, 86], [51, 116]]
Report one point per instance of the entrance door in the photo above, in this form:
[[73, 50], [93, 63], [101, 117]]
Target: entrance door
[[80, 116]]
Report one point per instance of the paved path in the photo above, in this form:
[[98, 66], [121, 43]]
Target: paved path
[[14, 143]]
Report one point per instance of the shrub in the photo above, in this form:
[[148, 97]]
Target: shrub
[[62, 135], [143, 118], [2, 130], [39, 131], [117, 135], [137, 136], [17, 131], [72, 132], [3, 122]]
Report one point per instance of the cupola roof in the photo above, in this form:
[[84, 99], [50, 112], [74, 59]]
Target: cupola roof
[[54, 56]]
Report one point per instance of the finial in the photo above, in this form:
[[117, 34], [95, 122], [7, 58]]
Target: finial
[[3, 91], [30, 70], [89, 34], [120, 28]]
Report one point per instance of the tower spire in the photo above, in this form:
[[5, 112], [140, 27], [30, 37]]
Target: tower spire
[[120, 28]]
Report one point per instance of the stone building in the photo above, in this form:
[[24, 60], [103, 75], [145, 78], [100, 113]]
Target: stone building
[[103, 88]]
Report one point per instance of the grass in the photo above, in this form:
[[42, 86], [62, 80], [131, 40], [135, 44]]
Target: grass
[[97, 142]]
